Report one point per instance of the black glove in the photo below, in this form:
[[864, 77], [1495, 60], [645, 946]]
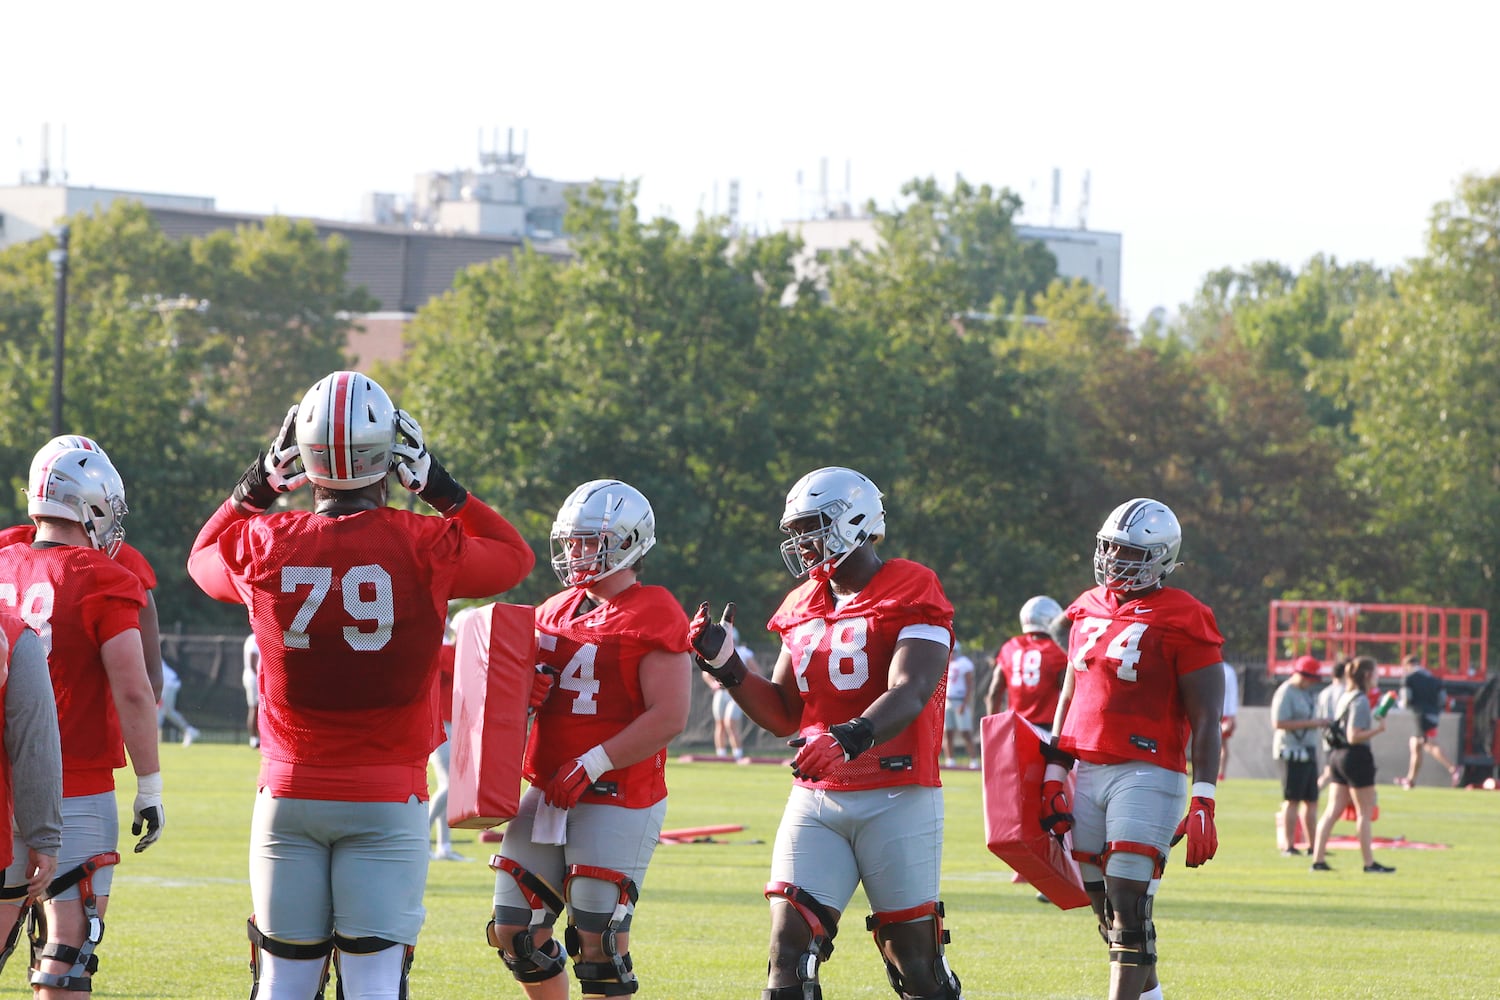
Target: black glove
[[254, 491], [821, 753], [713, 646]]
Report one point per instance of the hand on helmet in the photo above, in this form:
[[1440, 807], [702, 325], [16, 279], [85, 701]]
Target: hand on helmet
[[819, 753], [420, 472], [713, 646], [413, 460], [283, 460]]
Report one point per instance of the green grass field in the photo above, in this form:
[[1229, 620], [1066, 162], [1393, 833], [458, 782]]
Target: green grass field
[[1249, 924]]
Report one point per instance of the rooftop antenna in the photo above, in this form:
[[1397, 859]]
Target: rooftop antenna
[[46, 172], [62, 156], [823, 187], [1083, 203], [1056, 196]]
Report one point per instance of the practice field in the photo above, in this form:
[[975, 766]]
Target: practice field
[[1249, 924]]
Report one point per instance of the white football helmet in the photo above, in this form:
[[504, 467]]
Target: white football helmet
[[346, 427], [1137, 546], [63, 442], [848, 507], [1038, 614], [78, 485], [603, 527]]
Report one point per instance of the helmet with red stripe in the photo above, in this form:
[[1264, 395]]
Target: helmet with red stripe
[[74, 484], [346, 426]]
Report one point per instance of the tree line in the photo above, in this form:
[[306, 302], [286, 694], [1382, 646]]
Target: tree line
[[1321, 431]]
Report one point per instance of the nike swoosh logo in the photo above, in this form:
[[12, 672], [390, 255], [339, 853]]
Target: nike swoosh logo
[[1143, 611], [1139, 773], [892, 795]]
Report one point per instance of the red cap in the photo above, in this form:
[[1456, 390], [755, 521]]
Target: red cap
[[1308, 665]]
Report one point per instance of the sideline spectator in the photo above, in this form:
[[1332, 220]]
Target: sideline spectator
[[1297, 725], [726, 713], [1422, 692], [1231, 711], [958, 708], [1353, 766], [250, 678], [166, 710]]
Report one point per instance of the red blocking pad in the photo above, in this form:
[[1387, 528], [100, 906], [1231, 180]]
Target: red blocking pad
[[494, 659]]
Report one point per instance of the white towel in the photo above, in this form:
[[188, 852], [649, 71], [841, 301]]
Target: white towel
[[550, 825]]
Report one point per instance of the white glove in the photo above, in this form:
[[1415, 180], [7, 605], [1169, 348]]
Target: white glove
[[150, 815], [284, 469], [412, 460]]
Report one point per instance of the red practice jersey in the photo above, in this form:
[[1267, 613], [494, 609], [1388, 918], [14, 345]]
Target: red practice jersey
[[76, 599], [1033, 667], [842, 659], [598, 691], [126, 555], [1126, 660], [348, 613]]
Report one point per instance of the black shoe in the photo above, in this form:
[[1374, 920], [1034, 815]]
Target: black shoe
[[1290, 852], [1321, 866], [1377, 867]]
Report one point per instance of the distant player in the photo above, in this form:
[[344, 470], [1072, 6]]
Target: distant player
[[1029, 668], [1144, 688]]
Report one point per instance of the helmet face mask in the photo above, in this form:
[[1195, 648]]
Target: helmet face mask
[[82, 486], [346, 428], [829, 514], [603, 526], [1137, 546]]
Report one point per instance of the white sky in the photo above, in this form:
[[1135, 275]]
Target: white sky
[[1214, 134]]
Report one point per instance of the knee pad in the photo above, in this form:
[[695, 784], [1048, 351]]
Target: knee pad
[[346, 948], [259, 943], [82, 960], [1134, 945], [615, 976], [949, 987], [820, 924], [532, 963]]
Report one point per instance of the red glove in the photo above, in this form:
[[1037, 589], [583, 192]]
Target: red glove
[[817, 754], [541, 685], [1057, 809], [575, 777], [1198, 827]]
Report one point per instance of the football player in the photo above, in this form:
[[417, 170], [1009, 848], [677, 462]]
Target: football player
[[86, 607], [859, 681], [1029, 668], [347, 602], [1144, 688], [125, 554], [587, 827]]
